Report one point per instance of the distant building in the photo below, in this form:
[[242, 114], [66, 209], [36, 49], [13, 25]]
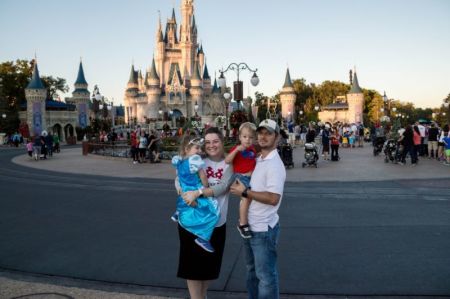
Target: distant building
[[40, 113], [346, 109]]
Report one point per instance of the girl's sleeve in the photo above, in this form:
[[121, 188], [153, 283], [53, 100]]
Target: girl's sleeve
[[196, 163], [175, 160]]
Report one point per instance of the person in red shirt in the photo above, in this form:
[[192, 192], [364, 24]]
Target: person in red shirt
[[243, 158], [134, 147]]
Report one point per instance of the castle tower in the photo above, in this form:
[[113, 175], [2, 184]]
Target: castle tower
[[201, 58], [153, 92], [35, 94], [355, 100], [287, 98], [80, 97], [196, 91], [188, 41], [131, 94], [160, 50], [207, 87]]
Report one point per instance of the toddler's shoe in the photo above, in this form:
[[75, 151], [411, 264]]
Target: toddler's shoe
[[244, 230], [174, 217], [204, 244]]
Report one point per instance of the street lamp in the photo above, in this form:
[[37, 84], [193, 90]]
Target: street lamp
[[447, 105], [238, 89], [3, 115], [96, 100], [387, 104], [227, 96]]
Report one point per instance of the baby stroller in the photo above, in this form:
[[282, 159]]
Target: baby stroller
[[311, 155], [392, 151], [378, 145], [285, 152]]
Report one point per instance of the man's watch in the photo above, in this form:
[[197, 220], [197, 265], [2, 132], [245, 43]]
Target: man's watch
[[244, 193], [200, 191]]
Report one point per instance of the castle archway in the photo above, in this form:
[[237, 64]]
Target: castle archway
[[57, 129], [69, 133]]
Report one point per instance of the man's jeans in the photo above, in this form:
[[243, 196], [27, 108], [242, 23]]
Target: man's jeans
[[261, 260]]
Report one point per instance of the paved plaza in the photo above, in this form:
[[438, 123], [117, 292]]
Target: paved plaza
[[78, 226]]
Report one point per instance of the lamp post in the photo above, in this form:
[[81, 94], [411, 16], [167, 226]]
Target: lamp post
[[96, 100], [447, 105], [301, 115], [227, 96], [387, 105], [238, 89]]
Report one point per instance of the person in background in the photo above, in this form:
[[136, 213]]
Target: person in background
[[30, 147], [433, 134], [56, 143]]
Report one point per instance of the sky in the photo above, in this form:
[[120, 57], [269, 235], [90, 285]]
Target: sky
[[398, 46]]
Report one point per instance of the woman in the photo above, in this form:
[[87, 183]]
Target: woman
[[407, 141], [196, 265]]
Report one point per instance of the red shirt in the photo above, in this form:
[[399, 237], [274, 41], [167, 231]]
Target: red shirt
[[244, 161]]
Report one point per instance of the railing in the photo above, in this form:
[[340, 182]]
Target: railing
[[117, 149]]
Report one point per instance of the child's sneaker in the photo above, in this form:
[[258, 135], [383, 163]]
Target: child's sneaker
[[174, 217], [244, 230], [204, 244]]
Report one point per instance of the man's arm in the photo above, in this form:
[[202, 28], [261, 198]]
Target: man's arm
[[264, 197]]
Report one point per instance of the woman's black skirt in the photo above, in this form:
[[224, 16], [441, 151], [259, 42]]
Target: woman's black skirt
[[196, 263]]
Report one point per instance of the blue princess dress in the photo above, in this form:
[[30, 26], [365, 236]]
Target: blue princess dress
[[201, 219]]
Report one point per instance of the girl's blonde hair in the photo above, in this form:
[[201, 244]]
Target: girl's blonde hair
[[249, 126], [187, 142]]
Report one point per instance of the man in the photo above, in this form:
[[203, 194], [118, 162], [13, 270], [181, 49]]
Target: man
[[267, 184]]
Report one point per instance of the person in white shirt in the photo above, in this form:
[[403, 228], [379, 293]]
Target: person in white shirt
[[267, 185]]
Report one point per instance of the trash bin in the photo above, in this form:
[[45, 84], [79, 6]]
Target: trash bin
[[85, 148]]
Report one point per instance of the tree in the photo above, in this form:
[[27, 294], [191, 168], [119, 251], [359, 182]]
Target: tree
[[54, 85], [15, 78]]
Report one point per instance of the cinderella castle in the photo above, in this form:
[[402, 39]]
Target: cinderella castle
[[177, 83]]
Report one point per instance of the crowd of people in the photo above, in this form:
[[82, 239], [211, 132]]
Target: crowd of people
[[418, 141]]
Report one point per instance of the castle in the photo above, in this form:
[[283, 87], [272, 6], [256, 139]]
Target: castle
[[41, 113], [177, 83], [345, 109]]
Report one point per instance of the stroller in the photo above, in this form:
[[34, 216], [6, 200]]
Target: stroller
[[378, 145], [311, 155], [285, 152], [392, 151]]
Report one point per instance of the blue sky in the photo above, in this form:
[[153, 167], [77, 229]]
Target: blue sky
[[402, 47]]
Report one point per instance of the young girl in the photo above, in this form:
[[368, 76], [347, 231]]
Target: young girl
[[199, 217], [243, 158], [30, 148], [351, 139]]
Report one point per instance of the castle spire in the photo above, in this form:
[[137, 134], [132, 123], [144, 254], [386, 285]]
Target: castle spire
[[153, 78], [80, 78], [205, 73], [287, 80], [160, 37], [355, 85], [173, 15], [36, 82], [133, 76]]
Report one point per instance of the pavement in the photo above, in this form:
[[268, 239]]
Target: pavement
[[356, 165]]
